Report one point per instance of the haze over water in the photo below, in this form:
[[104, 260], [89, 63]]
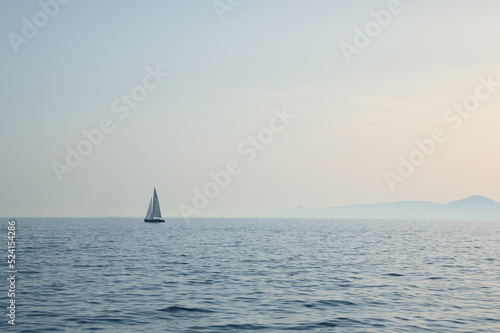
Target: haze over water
[[265, 275], [356, 117]]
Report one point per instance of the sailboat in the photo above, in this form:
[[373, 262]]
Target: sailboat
[[154, 213]]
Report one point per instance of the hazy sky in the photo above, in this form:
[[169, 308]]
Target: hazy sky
[[352, 119]]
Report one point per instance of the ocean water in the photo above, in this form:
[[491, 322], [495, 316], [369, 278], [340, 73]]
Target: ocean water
[[262, 275]]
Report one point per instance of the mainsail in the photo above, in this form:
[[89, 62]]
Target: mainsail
[[156, 205]]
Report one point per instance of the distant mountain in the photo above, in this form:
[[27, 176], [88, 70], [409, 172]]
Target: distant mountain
[[474, 207]]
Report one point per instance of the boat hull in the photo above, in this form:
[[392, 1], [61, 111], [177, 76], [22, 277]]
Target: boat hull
[[154, 220]]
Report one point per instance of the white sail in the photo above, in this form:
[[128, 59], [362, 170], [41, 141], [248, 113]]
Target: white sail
[[156, 205], [149, 214]]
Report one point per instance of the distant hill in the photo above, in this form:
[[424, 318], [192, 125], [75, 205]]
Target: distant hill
[[474, 207]]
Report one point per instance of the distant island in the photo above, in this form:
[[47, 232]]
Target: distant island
[[473, 207]]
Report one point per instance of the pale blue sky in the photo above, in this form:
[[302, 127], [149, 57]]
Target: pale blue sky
[[226, 77]]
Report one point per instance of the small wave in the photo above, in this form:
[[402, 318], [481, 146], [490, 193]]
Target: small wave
[[234, 327], [330, 303], [175, 308], [394, 274]]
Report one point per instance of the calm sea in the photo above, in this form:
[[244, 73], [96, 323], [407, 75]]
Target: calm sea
[[263, 275]]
